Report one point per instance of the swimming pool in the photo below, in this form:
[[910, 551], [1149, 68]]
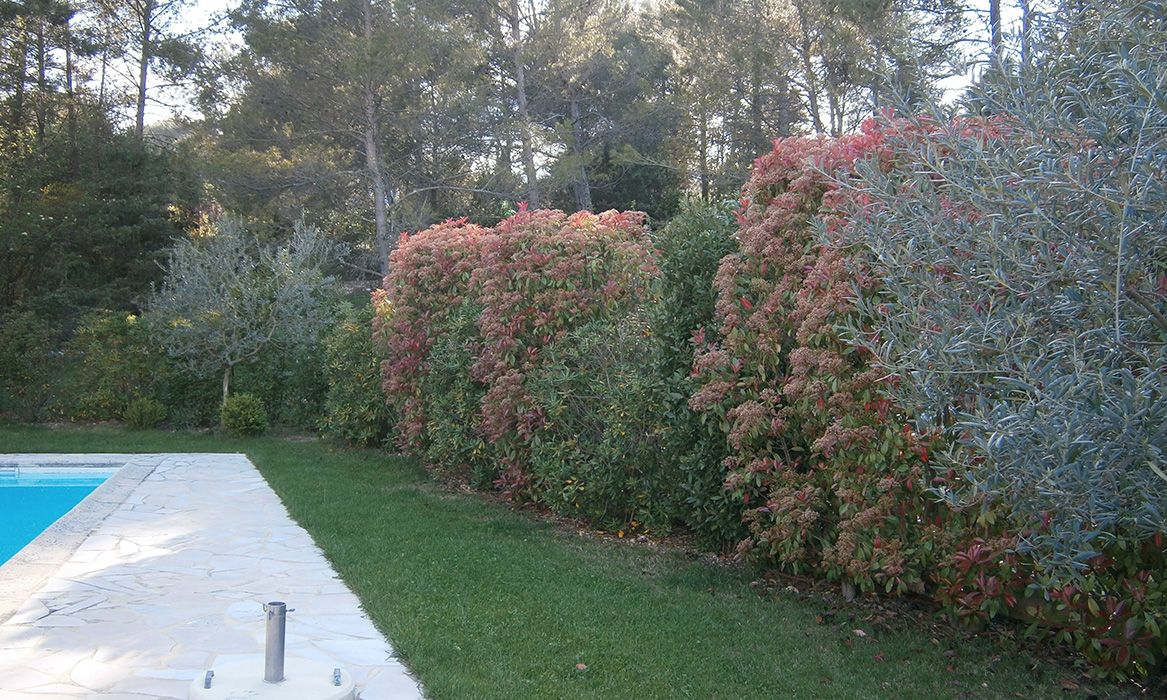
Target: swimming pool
[[33, 498]]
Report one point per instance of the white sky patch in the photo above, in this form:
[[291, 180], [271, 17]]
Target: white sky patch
[[167, 103]]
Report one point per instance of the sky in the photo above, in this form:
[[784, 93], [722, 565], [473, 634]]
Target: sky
[[202, 10]]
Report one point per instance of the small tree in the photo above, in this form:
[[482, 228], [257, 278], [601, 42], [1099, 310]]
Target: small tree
[[226, 297]]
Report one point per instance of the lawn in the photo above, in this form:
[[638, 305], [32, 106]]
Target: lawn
[[483, 602]]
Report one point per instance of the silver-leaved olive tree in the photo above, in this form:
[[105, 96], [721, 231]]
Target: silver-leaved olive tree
[[226, 296], [1022, 253]]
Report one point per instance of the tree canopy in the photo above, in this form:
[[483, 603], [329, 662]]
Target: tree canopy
[[124, 121]]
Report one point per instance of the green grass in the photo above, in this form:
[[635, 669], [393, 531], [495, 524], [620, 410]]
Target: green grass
[[482, 602]]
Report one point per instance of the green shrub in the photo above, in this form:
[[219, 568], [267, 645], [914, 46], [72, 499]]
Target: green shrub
[[114, 363], [600, 453], [191, 402], [452, 401], [354, 409], [29, 367], [690, 248], [144, 412], [243, 414], [290, 379]]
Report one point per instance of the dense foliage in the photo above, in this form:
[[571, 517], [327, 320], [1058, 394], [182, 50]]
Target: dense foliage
[[600, 453], [485, 323], [28, 365], [105, 220], [354, 407], [829, 480], [116, 364], [689, 251]]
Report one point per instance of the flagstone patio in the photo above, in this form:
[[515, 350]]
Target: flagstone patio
[[162, 574]]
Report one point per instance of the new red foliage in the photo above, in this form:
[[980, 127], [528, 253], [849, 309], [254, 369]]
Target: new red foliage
[[430, 275], [830, 480], [833, 479], [536, 276]]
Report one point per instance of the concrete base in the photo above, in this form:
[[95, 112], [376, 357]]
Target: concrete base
[[303, 680]]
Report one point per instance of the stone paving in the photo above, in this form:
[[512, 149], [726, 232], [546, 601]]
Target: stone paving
[[173, 581]]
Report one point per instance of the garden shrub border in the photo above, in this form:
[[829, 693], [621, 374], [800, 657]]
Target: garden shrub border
[[826, 470]]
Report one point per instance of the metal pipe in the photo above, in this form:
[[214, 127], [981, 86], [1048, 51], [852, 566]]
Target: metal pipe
[[277, 620]]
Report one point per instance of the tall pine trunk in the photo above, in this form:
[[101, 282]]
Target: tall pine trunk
[[71, 105], [583, 191], [145, 53], [382, 239], [528, 150]]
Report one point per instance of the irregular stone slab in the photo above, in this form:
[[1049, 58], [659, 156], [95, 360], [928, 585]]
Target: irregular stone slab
[[165, 573]]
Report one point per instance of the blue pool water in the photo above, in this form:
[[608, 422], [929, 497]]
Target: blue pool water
[[32, 498]]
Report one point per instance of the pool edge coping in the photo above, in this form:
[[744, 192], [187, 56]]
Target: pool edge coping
[[29, 569]]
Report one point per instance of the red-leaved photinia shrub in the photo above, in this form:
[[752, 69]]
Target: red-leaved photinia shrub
[[543, 274], [1113, 613], [830, 480], [531, 280], [429, 278]]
